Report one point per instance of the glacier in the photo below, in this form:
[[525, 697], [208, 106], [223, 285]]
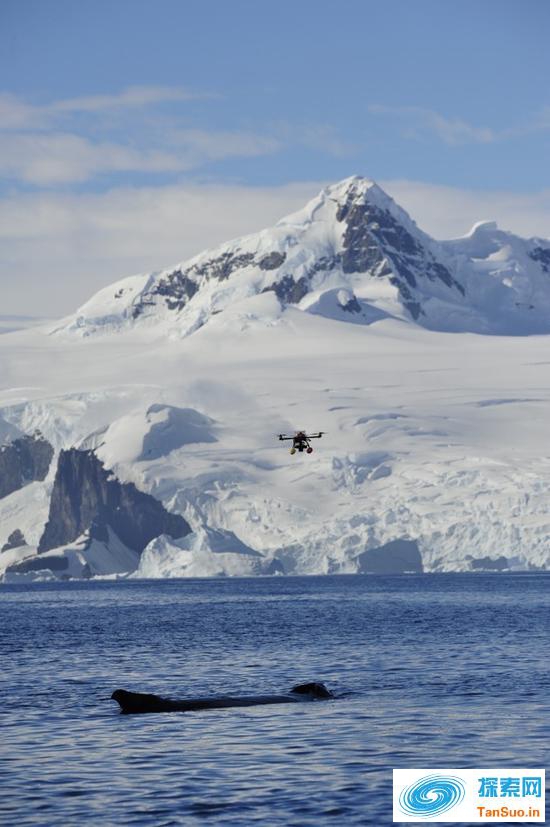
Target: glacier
[[426, 363]]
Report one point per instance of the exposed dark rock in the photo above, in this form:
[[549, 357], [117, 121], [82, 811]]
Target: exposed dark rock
[[344, 209], [274, 567], [402, 268], [489, 563], [86, 496], [396, 557], [57, 562], [177, 288], [288, 290], [98, 531], [438, 271], [361, 251], [414, 307], [271, 261], [22, 461], [373, 235], [393, 234], [138, 309], [324, 263], [406, 252], [221, 267], [542, 256], [351, 306], [15, 540]]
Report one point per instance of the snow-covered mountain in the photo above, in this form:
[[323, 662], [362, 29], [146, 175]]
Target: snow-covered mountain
[[157, 405], [353, 254]]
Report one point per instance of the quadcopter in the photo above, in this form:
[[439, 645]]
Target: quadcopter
[[301, 441]]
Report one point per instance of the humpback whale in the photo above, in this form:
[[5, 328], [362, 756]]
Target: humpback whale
[[138, 702]]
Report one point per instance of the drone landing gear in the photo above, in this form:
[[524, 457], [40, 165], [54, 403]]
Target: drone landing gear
[[310, 450]]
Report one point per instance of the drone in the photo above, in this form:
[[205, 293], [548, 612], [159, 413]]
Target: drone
[[301, 441]]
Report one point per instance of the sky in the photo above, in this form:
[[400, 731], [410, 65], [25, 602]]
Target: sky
[[134, 134]]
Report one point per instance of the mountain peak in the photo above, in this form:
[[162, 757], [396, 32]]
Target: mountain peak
[[352, 239], [357, 190], [337, 202], [354, 184]]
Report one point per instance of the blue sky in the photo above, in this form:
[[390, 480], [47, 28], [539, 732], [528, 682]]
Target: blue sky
[[161, 118]]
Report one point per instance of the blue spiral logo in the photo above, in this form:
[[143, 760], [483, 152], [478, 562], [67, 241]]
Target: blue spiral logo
[[431, 795]]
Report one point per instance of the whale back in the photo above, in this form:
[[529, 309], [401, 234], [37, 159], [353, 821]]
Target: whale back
[[137, 701], [132, 702], [317, 690]]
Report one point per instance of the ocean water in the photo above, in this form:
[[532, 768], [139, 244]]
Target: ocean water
[[428, 671]]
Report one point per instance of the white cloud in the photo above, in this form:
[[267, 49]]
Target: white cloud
[[214, 146], [54, 144], [46, 159], [36, 149], [133, 96], [417, 121], [60, 158], [452, 131], [16, 113], [57, 250], [449, 212], [320, 137]]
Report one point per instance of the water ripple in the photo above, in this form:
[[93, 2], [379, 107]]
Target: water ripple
[[67, 756]]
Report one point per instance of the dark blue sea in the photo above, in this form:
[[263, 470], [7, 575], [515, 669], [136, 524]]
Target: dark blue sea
[[429, 671]]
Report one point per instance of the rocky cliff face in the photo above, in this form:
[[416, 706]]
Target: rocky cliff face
[[87, 497], [22, 461], [376, 242], [15, 540]]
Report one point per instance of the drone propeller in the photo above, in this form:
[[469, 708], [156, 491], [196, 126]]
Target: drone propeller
[[303, 434]]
